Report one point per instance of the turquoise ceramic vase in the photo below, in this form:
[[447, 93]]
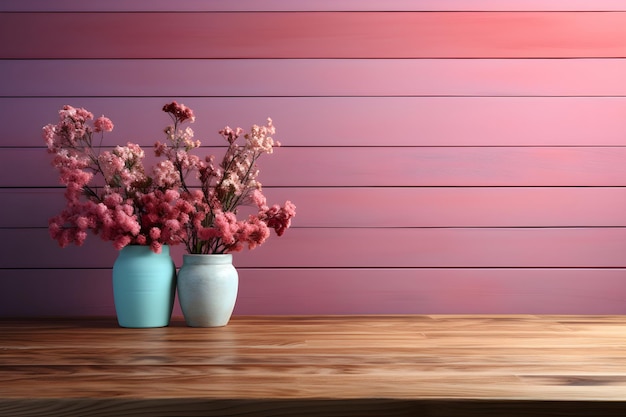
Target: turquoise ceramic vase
[[144, 284]]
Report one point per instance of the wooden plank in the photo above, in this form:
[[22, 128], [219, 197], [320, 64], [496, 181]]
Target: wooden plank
[[317, 5], [303, 5], [314, 78], [314, 35], [412, 206], [389, 167], [400, 365], [364, 248], [315, 407], [347, 121], [455, 207], [88, 292]]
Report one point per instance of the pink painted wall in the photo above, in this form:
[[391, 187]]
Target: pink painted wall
[[445, 156]]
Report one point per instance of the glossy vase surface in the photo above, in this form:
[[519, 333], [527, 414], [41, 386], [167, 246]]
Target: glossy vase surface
[[207, 289], [144, 285]]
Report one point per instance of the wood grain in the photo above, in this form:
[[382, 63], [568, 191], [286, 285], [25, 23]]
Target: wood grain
[[313, 35], [341, 366]]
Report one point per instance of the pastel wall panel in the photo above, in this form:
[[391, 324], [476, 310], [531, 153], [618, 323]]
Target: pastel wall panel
[[392, 166], [411, 206], [318, 5], [445, 156], [572, 247], [338, 35], [123, 78], [88, 292], [313, 121]]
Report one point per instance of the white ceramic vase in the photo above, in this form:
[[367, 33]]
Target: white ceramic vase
[[207, 289]]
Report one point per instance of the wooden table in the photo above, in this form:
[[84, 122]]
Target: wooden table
[[317, 366]]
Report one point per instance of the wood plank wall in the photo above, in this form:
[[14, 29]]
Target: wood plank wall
[[445, 156]]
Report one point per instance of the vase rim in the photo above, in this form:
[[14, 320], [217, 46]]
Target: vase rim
[[215, 258], [217, 255]]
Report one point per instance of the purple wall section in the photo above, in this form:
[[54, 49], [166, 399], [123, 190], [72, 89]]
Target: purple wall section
[[317, 5], [443, 160]]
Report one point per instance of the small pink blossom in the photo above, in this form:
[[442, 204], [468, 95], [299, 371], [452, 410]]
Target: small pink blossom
[[179, 111], [103, 124], [121, 241], [231, 135], [156, 246], [155, 233], [279, 218]]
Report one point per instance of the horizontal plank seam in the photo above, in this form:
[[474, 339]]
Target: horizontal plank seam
[[312, 7], [328, 58], [561, 227], [316, 11], [223, 147], [320, 96], [357, 268], [322, 187]]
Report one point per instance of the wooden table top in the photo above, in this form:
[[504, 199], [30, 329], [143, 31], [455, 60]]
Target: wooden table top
[[317, 365]]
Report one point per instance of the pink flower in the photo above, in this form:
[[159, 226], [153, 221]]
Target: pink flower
[[121, 241], [257, 232], [207, 233], [179, 111], [155, 233], [82, 222], [279, 218], [258, 199], [226, 225], [156, 246], [231, 135], [103, 124]]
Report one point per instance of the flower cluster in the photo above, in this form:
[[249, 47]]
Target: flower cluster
[[221, 189], [110, 193], [107, 192]]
